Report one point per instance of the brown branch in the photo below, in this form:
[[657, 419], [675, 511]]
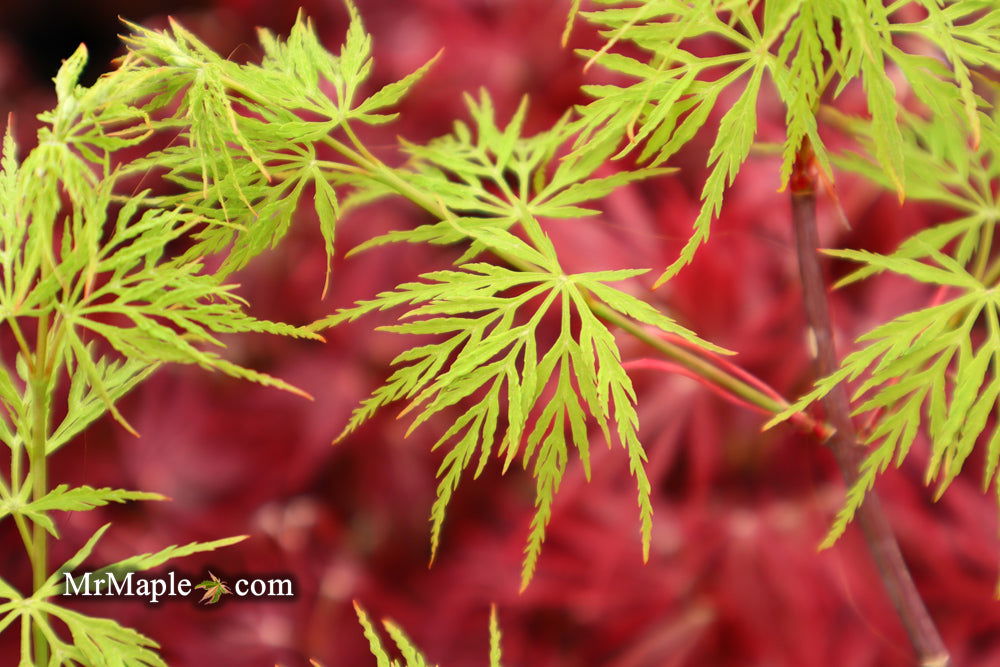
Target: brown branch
[[874, 525]]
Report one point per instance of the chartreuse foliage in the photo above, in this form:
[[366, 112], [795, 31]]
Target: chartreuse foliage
[[493, 177], [248, 155], [95, 641], [806, 49], [938, 366], [491, 188], [102, 282], [412, 656], [524, 390]]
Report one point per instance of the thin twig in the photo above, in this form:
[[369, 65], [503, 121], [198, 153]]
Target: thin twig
[[874, 525]]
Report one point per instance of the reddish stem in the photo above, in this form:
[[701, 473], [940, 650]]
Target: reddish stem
[[874, 525], [670, 367]]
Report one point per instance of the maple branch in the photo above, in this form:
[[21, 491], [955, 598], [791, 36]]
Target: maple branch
[[882, 544]]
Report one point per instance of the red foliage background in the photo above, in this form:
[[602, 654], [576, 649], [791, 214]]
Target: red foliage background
[[734, 577]]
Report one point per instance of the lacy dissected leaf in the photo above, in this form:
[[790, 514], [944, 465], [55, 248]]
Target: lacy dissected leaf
[[494, 177], [804, 46], [148, 561], [924, 363], [63, 498], [148, 309], [95, 641], [937, 368], [967, 32], [940, 167], [250, 137], [89, 273], [86, 400], [30, 222], [98, 120], [524, 398]]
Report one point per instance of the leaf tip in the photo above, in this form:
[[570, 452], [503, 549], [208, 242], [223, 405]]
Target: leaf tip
[[300, 392], [124, 423]]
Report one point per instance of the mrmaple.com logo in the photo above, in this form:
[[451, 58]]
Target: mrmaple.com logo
[[153, 589]]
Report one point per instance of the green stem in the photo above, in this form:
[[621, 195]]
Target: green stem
[[882, 544], [15, 453], [383, 173], [698, 365], [702, 367], [39, 386]]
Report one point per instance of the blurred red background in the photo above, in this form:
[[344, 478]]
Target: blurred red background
[[734, 577]]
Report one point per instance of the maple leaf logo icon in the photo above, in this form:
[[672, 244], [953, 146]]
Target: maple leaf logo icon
[[215, 588]]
